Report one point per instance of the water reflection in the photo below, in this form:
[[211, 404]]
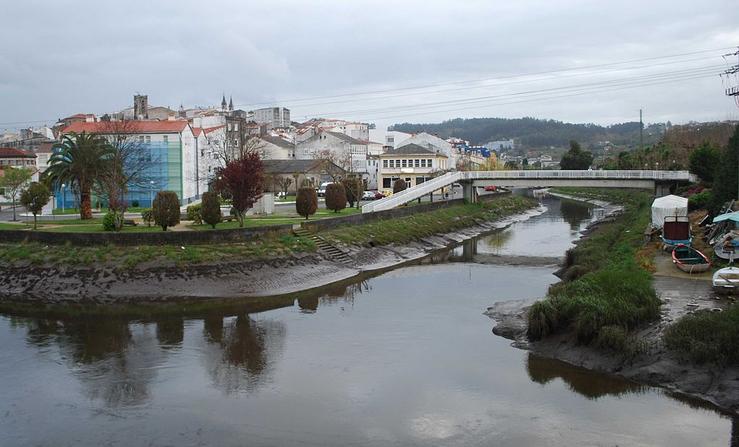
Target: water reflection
[[240, 350], [586, 383]]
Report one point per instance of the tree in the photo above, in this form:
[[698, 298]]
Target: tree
[[211, 209], [80, 160], [354, 187], [306, 202], [335, 197], [243, 180], [576, 158], [13, 180], [399, 185], [34, 198], [704, 162], [127, 166], [166, 209], [725, 180], [284, 184]]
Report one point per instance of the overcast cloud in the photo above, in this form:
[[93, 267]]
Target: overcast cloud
[[65, 57]]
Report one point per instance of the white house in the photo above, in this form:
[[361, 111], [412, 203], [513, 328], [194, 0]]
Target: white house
[[349, 153]]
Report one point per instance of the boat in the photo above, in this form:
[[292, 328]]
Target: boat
[[676, 231], [726, 246], [726, 280], [690, 260]]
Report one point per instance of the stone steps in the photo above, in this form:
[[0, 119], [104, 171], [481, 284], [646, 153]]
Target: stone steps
[[324, 248]]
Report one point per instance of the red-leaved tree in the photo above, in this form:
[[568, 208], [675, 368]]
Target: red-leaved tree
[[243, 181]]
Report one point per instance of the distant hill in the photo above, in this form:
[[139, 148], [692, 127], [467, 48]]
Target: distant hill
[[537, 133]]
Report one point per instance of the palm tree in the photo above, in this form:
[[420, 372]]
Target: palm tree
[[79, 160]]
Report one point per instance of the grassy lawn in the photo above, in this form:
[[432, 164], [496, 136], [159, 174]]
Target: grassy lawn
[[606, 290], [277, 219], [14, 226], [288, 198]]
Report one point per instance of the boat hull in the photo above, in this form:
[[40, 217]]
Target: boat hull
[[690, 260]]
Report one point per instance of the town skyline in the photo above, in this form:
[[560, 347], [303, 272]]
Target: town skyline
[[365, 62]]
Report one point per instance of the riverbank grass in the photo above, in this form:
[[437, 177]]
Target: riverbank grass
[[606, 292], [416, 226], [707, 337]]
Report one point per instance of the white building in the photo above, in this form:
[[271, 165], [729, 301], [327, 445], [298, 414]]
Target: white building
[[275, 148], [347, 152], [273, 117]]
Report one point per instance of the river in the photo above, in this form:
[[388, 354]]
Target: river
[[402, 358]]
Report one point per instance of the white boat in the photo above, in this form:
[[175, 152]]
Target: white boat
[[726, 280]]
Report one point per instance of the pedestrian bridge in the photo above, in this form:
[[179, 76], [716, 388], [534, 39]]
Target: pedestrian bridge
[[658, 181]]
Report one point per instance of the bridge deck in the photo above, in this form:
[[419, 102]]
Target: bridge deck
[[541, 178]]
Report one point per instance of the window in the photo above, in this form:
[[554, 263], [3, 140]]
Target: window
[[141, 138], [165, 139], [423, 163], [229, 127], [420, 180], [384, 163], [148, 139], [236, 127], [404, 164], [417, 163], [428, 163]]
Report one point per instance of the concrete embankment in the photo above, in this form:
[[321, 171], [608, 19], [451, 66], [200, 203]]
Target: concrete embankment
[[233, 279]]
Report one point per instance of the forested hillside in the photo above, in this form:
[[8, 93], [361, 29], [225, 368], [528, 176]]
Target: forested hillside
[[533, 133]]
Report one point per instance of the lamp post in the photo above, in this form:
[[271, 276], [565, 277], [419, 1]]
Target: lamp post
[[63, 197], [151, 193]]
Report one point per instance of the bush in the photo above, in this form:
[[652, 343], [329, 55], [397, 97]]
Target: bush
[[399, 185], [166, 209], [702, 200], [109, 221], [210, 210], [147, 216], [194, 214], [335, 197], [34, 198], [707, 336], [306, 202], [135, 203], [354, 188]]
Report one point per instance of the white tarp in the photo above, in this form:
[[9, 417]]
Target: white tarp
[[668, 206]]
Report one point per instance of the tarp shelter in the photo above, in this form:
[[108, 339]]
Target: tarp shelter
[[668, 206], [728, 216]]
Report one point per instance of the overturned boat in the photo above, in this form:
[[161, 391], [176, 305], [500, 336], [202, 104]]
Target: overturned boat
[[726, 280]]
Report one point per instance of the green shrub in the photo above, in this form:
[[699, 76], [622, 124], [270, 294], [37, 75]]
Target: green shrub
[[166, 209], [399, 185], [211, 209], [707, 336], [335, 197], [612, 337], [194, 214], [135, 203], [109, 221], [147, 216], [702, 200], [306, 202]]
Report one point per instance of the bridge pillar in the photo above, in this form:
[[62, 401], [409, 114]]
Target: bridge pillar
[[661, 189], [470, 192]]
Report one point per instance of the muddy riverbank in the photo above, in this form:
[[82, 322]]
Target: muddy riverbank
[[224, 280], [652, 364]]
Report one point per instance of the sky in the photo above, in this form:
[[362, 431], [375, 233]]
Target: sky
[[375, 61]]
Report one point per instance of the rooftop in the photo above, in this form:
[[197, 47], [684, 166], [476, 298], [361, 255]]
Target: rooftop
[[11, 152], [127, 127], [277, 141], [412, 149]]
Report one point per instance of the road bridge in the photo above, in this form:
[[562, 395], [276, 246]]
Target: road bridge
[[658, 181]]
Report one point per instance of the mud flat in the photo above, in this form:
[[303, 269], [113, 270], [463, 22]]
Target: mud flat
[[652, 364], [222, 280]]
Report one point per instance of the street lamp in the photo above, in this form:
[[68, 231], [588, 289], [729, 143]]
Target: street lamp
[[63, 197], [151, 193]]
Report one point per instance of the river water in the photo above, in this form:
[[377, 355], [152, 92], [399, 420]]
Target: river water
[[403, 358]]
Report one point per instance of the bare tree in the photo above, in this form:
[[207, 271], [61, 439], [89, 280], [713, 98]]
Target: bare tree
[[284, 184], [128, 167]]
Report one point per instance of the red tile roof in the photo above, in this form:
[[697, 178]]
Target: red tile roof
[[134, 127], [196, 131], [11, 152], [208, 130]]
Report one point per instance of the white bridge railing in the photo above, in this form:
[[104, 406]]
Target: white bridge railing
[[447, 179]]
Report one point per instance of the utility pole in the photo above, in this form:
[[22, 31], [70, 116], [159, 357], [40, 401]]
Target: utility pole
[[732, 89], [641, 132]]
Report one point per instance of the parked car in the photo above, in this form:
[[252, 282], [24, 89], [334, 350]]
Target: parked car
[[322, 189], [379, 195], [490, 188], [369, 195]]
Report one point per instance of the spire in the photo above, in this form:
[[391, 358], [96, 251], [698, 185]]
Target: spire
[[230, 104], [223, 102]]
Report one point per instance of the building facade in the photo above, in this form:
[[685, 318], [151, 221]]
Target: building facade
[[411, 162], [273, 117], [169, 149]]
